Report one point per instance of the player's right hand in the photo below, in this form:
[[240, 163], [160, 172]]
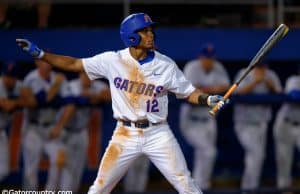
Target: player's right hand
[[30, 47], [218, 100]]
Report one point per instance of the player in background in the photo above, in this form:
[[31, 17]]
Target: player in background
[[10, 101], [197, 126], [140, 79], [87, 96], [287, 132], [137, 176], [251, 121], [41, 92]]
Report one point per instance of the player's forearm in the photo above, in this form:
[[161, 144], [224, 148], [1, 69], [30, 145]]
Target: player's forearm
[[217, 89], [53, 91], [68, 112], [27, 99], [198, 97], [63, 62], [271, 85]]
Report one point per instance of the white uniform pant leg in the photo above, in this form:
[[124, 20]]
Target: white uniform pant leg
[[202, 136], [137, 175], [76, 148], [56, 155], [164, 151], [32, 151], [253, 139], [123, 149], [284, 149], [4, 155]]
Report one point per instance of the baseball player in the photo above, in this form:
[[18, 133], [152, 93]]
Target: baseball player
[[140, 79], [287, 132], [251, 121], [41, 90], [197, 126], [9, 101], [84, 93]]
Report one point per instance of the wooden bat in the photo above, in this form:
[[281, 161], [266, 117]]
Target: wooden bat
[[277, 35]]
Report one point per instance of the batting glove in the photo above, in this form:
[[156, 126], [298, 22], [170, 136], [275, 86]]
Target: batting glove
[[216, 100], [30, 47]]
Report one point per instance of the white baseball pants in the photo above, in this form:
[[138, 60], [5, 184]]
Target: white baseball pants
[[33, 146], [202, 136], [252, 137], [76, 148], [286, 138], [157, 143]]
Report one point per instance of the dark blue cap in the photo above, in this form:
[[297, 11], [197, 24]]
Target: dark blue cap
[[9, 68], [208, 50]]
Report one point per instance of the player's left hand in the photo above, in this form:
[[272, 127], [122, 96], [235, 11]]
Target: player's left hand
[[218, 100], [30, 47]]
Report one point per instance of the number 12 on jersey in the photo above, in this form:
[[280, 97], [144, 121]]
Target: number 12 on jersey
[[152, 105]]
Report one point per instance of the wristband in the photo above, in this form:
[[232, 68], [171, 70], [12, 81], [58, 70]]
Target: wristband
[[202, 99]]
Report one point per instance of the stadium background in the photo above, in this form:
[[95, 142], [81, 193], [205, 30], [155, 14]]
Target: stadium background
[[236, 28]]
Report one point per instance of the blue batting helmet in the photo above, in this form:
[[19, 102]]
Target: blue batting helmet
[[130, 25]]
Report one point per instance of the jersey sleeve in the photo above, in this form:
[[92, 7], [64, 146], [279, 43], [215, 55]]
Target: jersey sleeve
[[223, 77], [96, 66], [178, 84], [31, 83], [276, 81], [189, 72], [26, 82], [292, 84]]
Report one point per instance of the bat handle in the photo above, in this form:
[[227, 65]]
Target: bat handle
[[215, 109]]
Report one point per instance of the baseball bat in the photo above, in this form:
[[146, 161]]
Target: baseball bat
[[277, 35]]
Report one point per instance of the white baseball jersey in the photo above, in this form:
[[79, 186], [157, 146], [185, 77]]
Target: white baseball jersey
[[197, 75], [82, 114], [139, 91], [4, 93], [255, 113], [41, 115], [291, 110]]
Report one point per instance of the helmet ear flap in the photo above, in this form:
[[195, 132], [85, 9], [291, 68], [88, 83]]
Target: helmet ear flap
[[134, 39]]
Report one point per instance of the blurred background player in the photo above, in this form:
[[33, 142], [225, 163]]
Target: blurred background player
[[137, 175], [86, 96], [10, 89], [251, 121], [41, 91], [197, 126], [287, 132]]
